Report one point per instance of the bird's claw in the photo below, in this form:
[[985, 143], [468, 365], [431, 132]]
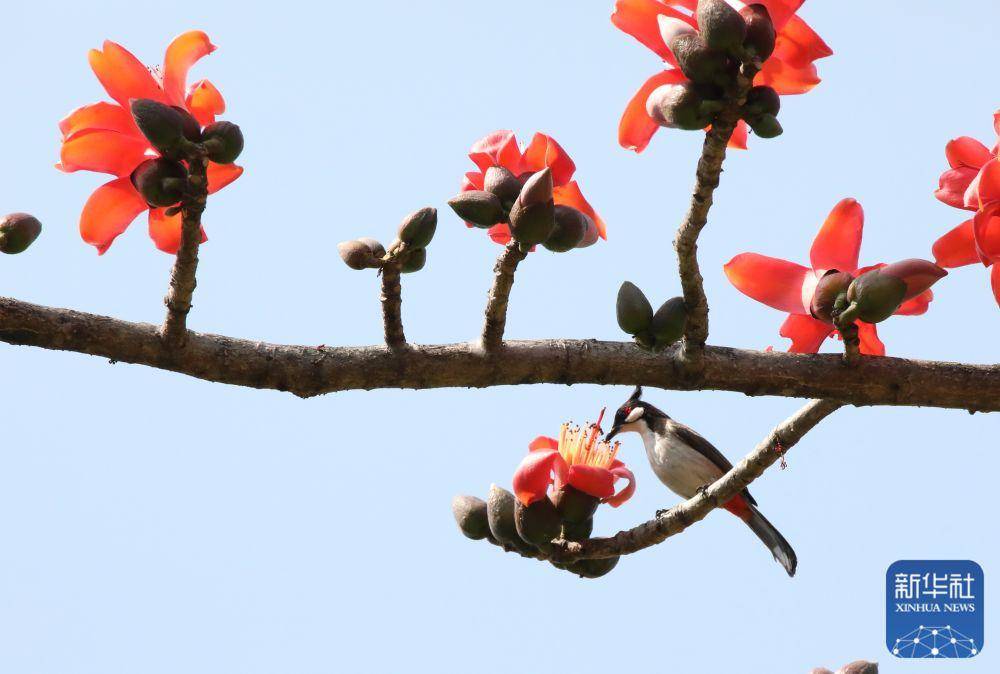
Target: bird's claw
[[661, 512], [703, 489]]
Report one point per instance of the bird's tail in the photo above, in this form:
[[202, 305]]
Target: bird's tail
[[772, 538]]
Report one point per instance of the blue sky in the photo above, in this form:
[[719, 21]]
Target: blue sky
[[154, 523]]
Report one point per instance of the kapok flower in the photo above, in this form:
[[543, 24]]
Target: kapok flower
[[500, 148], [789, 69], [789, 287], [973, 184], [103, 137], [578, 459]]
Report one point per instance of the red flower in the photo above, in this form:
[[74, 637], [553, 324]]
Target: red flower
[[789, 287], [103, 137], [972, 183], [576, 459], [789, 70], [500, 149]]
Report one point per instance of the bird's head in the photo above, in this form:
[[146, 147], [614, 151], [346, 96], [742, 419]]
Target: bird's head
[[633, 415]]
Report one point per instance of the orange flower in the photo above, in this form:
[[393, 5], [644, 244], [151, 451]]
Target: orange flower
[[103, 137], [789, 70]]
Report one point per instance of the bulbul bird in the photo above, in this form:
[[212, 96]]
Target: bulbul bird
[[687, 463]]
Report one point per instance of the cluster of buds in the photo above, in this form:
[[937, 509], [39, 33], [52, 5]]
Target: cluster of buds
[[873, 295], [527, 204], [651, 331], [17, 232], [710, 57], [177, 136], [408, 251]]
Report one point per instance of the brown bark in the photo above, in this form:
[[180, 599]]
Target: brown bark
[[499, 296], [392, 306]]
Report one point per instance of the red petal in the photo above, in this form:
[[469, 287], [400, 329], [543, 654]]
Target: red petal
[[544, 152], [166, 231], [989, 184], [738, 141], [109, 211], [183, 52], [123, 75], [986, 230], [102, 151], [916, 306], [592, 480], [221, 175], [533, 477], [839, 240], [965, 151], [957, 248], [871, 345], [543, 442], [637, 127], [204, 101], [786, 79], [807, 333], [472, 180], [570, 195], [995, 282], [103, 116], [952, 186], [500, 233], [497, 149], [776, 283], [638, 18], [620, 471], [797, 44]]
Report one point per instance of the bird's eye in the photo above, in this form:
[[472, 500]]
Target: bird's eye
[[633, 415]]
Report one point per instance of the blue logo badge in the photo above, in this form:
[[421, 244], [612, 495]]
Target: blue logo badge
[[934, 609]]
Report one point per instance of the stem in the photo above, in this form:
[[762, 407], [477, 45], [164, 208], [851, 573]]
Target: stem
[[183, 275], [392, 318], [499, 295]]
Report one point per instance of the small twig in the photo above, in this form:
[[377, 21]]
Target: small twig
[[848, 329], [392, 318], [499, 296], [183, 275]]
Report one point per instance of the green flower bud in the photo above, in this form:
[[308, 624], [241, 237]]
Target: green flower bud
[[721, 26], [504, 184], [500, 505], [539, 523], [223, 142], [17, 232], [700, 63], [635, 313], [415, 261], [470, 515], [678, 106], [358, 255], [570, 229], [668, 322], [765, 126], [163, 125], [482, 209], [761, 35], [579, 531], [918, 275], [876, 296], [762, 100], [417, 229], [532, 217], [161, 182], [593, 568], [830, 295], [574, 505]]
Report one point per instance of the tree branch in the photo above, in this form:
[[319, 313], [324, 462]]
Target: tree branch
[[182, 276], [309, 371], [499, 295], [392, 317], [680, 517]]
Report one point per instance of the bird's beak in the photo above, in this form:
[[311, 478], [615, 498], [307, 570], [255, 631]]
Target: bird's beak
[[612, 433]]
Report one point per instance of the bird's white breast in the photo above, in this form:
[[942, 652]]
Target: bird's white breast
[[680, 467]]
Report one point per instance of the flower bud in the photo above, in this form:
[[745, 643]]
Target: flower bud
[[415, 261], [574, 505], [532, 217], [859, 667], [918, 275], [645, 340], [418, 228], [539, 523], [160, 181], [377, 249], [500, 516], [678, 106], [223, 142], [578, 531], [191, 128], [761, 35], [762, 100], [358, 255], [765, 126], [504, 184], [831, 291], [570, 229], [635, 313], [17, 232], [470, 515], [668, 322], [720, 25], [876, 296], [480, 208], [163, 125], [593, 568], [697, 60]]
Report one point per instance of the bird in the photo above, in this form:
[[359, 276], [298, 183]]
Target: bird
[[687, 463]]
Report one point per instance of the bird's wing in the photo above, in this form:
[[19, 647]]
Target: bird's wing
[[694, 439]]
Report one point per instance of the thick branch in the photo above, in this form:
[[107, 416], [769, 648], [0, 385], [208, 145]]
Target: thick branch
[[499, 296], [392, 317], [183, 275], [309, 371], [679, 518]]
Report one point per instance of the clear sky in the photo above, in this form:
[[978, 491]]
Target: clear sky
[[158, 524]]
